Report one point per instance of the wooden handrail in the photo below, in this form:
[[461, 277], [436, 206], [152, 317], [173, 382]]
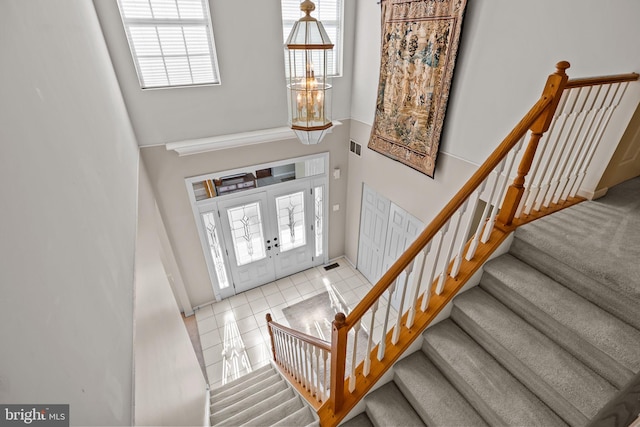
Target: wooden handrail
[[594, 81], [317, 342], [450, 208]]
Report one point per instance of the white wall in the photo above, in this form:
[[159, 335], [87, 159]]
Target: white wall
[[507, 50], [68, 179], [168, 171], [170, 387], [252, 95]]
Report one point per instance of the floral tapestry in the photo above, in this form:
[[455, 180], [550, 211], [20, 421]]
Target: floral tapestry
[[419, 45]]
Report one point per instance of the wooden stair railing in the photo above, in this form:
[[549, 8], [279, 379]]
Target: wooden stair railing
[[565, 127]]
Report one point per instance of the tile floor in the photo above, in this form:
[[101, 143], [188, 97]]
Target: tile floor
[[241, 319]]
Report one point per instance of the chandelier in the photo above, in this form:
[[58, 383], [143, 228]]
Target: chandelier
[[308, 88]]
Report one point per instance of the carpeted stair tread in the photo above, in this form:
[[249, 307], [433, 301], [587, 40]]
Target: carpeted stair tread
[[279, 410], [218, 404], [387, 406], [610, 224], [242, 382], [606, 344], [623, 306], [256, 410], [301, 417], [360, 420], [248, 402], [431, 395], [497, 396], [566, 385]]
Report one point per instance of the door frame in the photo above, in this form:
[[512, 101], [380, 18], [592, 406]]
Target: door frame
[[316, 164]]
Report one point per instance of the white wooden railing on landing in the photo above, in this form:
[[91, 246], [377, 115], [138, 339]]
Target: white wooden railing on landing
[[553, 145]]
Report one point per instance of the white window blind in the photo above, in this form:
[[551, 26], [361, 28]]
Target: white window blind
[[330, 13], [171, 42]]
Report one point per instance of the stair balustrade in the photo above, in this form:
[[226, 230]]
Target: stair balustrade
[[552, 147]]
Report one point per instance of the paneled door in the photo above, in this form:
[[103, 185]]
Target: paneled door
[[248, 232], [374, 217]]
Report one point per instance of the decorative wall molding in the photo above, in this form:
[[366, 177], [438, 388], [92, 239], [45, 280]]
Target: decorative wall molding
[[234, 140]]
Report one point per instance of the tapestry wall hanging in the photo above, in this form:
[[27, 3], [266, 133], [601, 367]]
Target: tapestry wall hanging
[[419, 45]]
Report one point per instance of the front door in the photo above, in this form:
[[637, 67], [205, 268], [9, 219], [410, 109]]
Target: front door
[[293, 247], [247, 233], [267, 235]]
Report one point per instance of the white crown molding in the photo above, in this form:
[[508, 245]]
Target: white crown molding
[[234, 140]]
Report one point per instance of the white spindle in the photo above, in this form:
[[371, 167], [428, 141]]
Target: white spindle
[[396, 329], [553, 163], [352, 376], [485, 213], [325, 379], [382, 347], [530, 187], [452, 243], [416, 287], [443, 235], [615, 101], [496, 207], [316, 371], [573, 152], [564, 154], [367, 355], [463, 242]]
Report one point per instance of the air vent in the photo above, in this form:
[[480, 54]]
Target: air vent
[[354, 147], [332, 266]]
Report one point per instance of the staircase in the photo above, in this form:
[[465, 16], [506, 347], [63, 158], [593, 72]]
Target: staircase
[[548, 338], [262, 398]]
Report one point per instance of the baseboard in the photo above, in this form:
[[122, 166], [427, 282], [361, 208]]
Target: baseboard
[[593, 195]]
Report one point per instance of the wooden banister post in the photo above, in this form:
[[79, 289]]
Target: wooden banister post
[[273, 347], [553, 89], [338, 361]]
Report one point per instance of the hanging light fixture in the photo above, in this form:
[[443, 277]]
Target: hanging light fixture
[[309, 91]]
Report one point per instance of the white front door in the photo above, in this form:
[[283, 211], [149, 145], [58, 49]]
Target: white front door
[[266, 235], [293, 237], [247, 228]]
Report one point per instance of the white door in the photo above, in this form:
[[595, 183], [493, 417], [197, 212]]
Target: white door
[[374, 217], [402, 230], [247, 231], [292, 239]]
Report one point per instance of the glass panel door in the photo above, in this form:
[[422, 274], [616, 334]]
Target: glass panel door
[[245, 230], [293, 211]]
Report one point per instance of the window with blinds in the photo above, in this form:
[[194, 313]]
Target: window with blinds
[[171, 42], [330, 13]]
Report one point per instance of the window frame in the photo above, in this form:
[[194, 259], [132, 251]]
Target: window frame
[[180, 23]]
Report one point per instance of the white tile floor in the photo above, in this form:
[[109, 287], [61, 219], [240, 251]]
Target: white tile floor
[[217, 323]]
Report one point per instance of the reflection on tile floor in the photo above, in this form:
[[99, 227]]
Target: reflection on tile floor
[[235, 328]]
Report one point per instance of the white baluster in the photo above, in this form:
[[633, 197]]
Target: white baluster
[[383, 340], [325, 384], [463, 242], [316, 354], [552, 177], [352, 377], [615, 101], [396, 329], [445, 231], [494, 212], [416, 287], [452, 243], [426, 296], [530, 187], [367, 355], [471, 252], [572, 153]]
